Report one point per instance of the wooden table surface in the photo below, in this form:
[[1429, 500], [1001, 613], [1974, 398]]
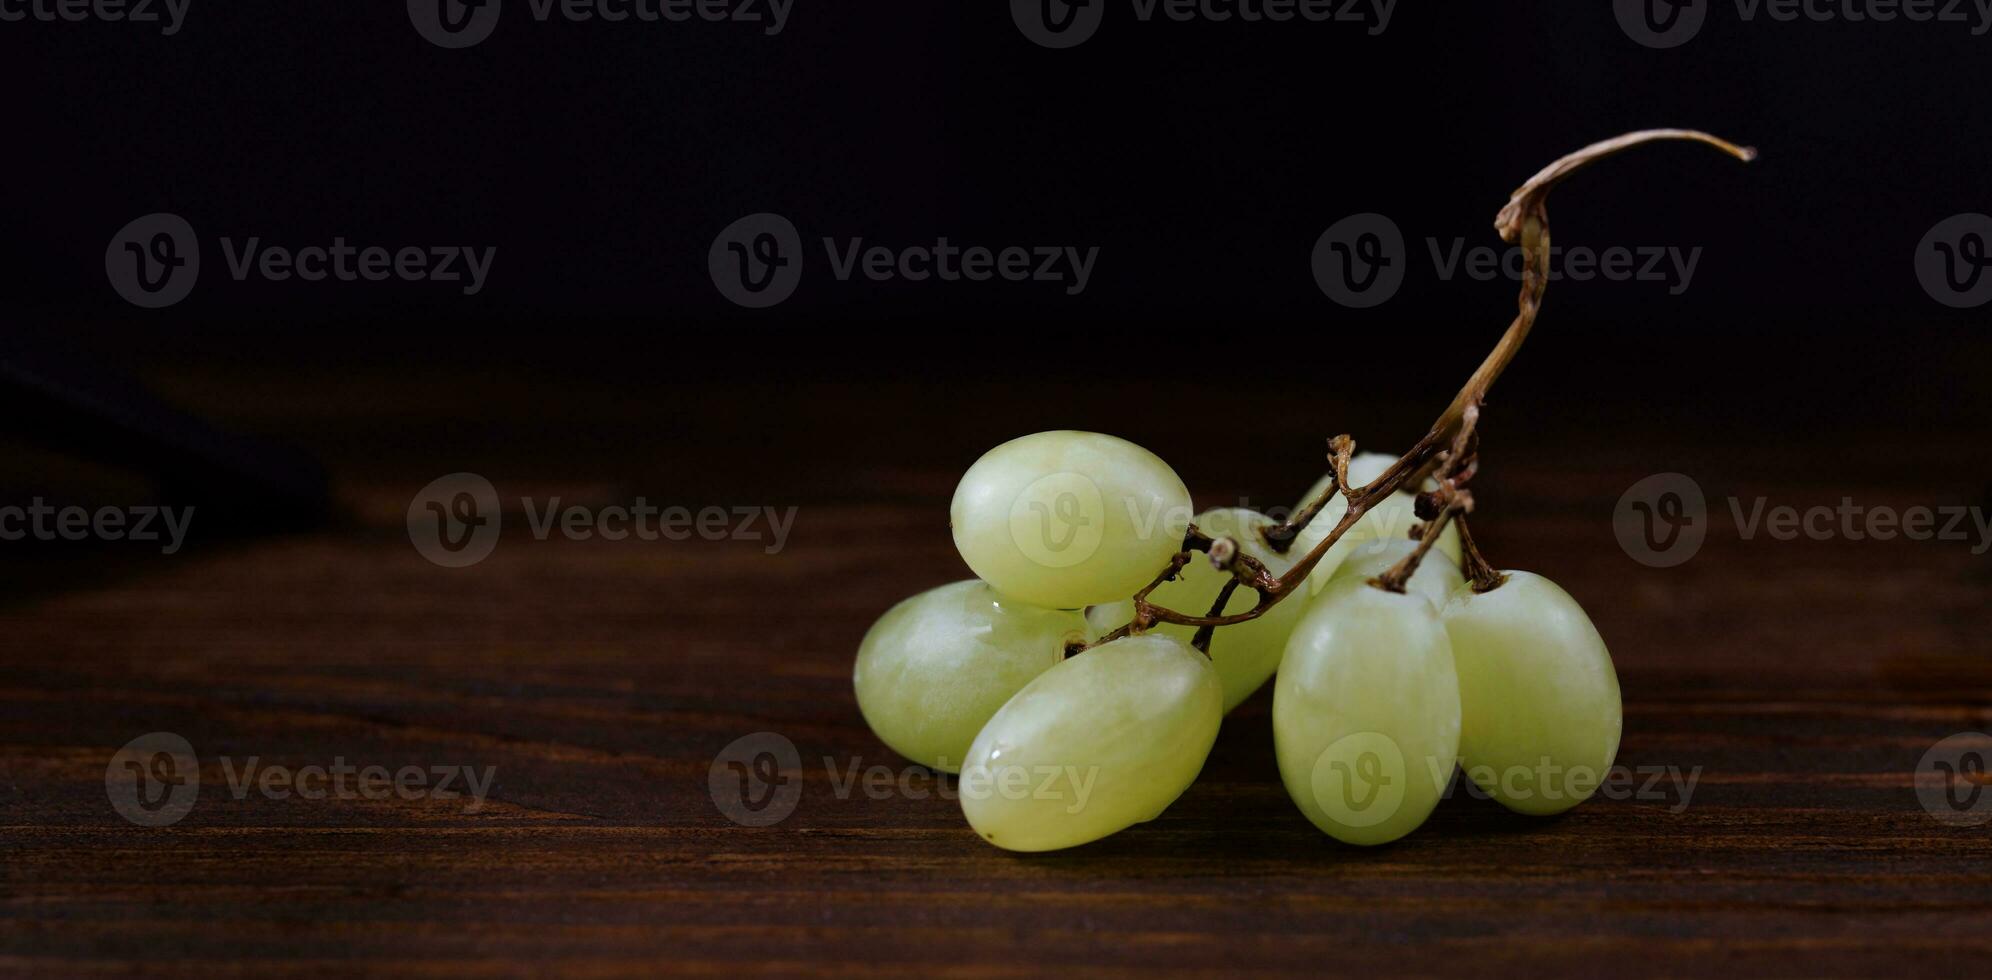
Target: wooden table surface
[[1802, 681]]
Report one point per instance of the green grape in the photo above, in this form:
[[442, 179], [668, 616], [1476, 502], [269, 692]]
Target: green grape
[[1245, 654], [1069, 519], [1436, 579], [935, 667], [1101, 742], [1540, 711], [1392, 519], [1366, 714]]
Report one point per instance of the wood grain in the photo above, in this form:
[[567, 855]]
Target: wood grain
[[1802, 680]]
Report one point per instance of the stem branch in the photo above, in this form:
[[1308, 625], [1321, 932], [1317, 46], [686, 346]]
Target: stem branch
[[1523, 221]]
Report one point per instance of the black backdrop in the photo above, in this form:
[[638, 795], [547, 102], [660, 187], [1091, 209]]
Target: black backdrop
[[1202, 159]]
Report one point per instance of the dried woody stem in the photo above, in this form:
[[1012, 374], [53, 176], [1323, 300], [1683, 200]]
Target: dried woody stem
[[1441, 506], [1524, 221]]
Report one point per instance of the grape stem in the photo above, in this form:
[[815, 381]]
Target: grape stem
[[1483, 576], [1449, 501], [1523, 221]]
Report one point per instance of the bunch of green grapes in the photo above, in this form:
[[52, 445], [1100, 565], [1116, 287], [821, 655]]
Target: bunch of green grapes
[[1066, 727], [1380, 695]]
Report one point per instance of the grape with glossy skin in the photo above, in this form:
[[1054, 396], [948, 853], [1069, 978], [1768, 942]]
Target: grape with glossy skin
[[1436, 579], [1540, 706], [1392, 519], [1248, 653], [1069, 519], [1101, 742], [935, 667], [1366, 714]]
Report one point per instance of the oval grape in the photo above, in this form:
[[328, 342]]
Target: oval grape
[[1366, 714], [1069, 519], [1539, 698], [1101, 742], [935, 667]]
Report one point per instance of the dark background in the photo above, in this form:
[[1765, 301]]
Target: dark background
[[1805, 364], [1202, 159]]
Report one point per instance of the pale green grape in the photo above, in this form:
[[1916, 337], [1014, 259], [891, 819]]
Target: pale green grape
[[1391, 519], [1101, 742], [1538, 695], [1245, 654], [1436, 579], [1069, 519], [1366, 714], [935, 667]]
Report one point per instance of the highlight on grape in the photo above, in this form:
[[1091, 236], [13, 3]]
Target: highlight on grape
[[1082, 676]]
